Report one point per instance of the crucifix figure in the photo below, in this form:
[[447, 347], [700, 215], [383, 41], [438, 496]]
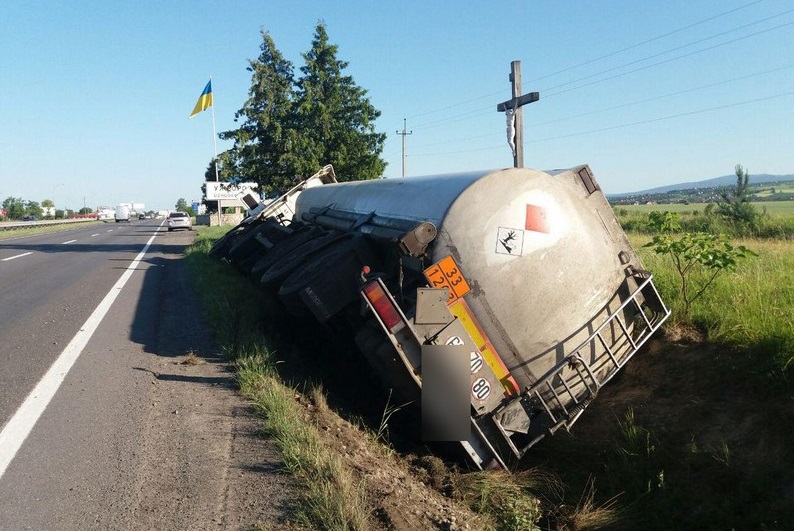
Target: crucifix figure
[[512, 110]]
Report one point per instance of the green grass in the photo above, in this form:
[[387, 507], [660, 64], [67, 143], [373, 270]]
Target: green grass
[[719, 460], [750, 309], [766, 192], [646, 475], [777, 223], [777, 209]]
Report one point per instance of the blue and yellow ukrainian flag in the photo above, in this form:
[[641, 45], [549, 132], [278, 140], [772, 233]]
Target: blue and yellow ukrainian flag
[[204, 101]]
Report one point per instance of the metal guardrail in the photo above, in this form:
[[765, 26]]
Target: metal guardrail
[[15, 225]]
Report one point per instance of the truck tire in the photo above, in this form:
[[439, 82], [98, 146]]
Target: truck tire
[[280, 270], [283, 248], [329, 281], [221, 247], [245, 243], [256, 245]]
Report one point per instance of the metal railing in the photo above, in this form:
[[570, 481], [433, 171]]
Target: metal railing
[[15, 225], [565, 391]]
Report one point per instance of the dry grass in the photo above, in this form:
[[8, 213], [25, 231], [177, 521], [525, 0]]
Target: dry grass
[[192, 359], [333, 498], [587, 514]]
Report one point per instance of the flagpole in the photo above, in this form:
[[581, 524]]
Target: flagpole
[[215, 146]]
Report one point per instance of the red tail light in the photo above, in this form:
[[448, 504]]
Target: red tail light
[[384, 307]]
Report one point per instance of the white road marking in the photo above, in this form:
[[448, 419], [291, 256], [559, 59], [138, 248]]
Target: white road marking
[[110, 230], [19, 426], [70, 241], [16, 256], [97, 234]]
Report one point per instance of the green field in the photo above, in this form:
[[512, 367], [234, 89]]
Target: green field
[[785, 188], [776, 209]]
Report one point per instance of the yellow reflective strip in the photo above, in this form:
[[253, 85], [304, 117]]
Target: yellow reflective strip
[[461, 310]]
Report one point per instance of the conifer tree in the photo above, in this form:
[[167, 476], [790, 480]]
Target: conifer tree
[[292, 128], [336, 118], [263, 150]]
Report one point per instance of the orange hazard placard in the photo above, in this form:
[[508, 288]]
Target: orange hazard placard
[[536, 219], [446, 273]]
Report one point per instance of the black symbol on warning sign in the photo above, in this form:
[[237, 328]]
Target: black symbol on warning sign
[[506, 242], [509, 241]]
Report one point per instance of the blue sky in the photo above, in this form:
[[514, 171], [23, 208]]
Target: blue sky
[[96, 95]]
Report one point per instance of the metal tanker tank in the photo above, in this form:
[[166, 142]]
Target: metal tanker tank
[[541, 250], [556, 299]]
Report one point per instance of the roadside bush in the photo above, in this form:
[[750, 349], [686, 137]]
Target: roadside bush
[[698, 257]]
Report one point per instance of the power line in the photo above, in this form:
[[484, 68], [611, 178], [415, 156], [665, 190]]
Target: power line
[[549, 92], [482, 111], [658, 37], [440, 109], [663, 96], [619, 126], [672, 50], [490, 95], [621, 106], [669, 117]]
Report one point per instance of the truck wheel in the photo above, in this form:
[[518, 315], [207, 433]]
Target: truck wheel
[[280, 270], [245, 243], [225, 242], [269, 229], [329, 281], [283, 248]]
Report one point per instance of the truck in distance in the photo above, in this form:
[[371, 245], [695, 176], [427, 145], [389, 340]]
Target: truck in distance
[[122, 213]]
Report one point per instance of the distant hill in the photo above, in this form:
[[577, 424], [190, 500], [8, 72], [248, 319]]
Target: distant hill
[[725, 180]]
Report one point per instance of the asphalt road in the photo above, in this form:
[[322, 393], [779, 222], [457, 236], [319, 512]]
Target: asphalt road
[[132, 438]]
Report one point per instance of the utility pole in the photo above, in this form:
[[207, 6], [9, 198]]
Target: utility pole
[[512, 109], [404, 134]]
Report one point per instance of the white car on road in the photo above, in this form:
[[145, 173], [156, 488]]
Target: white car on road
[[179, 220]]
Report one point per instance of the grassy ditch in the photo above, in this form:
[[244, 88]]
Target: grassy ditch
[[344, 475], [695, 431], [331, 498]]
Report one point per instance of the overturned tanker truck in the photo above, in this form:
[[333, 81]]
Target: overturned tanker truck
[[527, 272]]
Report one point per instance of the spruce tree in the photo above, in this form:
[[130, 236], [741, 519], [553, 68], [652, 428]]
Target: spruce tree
[[335, 118], [263, 144]]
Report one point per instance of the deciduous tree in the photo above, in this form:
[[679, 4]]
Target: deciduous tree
[[698, 257], [14, 207]]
